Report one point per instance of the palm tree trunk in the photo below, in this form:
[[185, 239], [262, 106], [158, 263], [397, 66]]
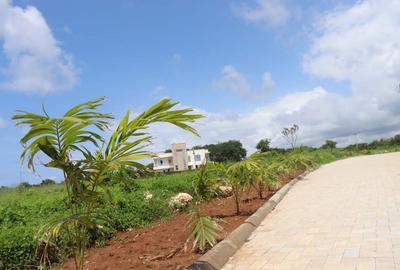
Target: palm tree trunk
[[237, 196]]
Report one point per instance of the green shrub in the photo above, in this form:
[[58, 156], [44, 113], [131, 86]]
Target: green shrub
[[17, 245], [47, 182]]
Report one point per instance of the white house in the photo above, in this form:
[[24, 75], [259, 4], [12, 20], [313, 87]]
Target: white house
[[180, 159]]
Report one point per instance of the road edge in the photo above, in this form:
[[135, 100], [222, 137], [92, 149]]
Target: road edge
[[217, 257]]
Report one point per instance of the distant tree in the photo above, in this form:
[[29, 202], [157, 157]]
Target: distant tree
[[306, 148], [329, 144], [47, 182], [23, 186], [395, 140], [279, 150], [226, 151], [150, 166], [263, 145], [384, 142], [358, 146], [375, 144], [290, 134], [168, 151]]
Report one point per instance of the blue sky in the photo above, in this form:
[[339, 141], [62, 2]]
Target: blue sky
[[253, 67]]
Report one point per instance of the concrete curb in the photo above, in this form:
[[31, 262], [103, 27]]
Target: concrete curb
[[217, 257]]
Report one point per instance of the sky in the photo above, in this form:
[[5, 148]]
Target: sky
[[252, 67]]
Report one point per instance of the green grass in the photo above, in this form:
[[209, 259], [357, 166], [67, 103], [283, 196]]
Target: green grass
[[24, 210]]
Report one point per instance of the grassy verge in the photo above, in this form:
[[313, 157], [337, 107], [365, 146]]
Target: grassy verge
[[24, 211]]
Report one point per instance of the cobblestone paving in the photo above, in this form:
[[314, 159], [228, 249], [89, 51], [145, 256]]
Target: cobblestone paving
[[345, 215]]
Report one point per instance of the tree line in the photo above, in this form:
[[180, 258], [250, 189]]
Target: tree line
[[233, 150]]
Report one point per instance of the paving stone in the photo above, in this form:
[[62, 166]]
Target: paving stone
[[345, 215]]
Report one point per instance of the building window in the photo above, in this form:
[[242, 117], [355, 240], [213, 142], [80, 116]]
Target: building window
[[197, 157], [176, 167], [161, 162]]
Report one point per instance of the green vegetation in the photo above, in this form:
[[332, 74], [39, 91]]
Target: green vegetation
[[329, 144], [226, 151], [66, 141], [23, 212], [263, 145], [240, 176], [204, 230], [47, 182], [27, 210], [205, 183]]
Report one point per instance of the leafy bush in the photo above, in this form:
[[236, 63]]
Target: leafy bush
[[47, 182], [206, 182], [17, 245]]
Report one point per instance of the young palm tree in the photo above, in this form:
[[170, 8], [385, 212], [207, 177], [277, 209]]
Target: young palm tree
[[241, 175], [266, 174], [75, 143], [204, 230]]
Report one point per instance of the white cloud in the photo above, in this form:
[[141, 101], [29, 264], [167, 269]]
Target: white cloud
[[358, 45], [266, 121], [321, 115], [267, 12], [268, 83], [158, 90], [233, 81], [250, 127], [36, 63]]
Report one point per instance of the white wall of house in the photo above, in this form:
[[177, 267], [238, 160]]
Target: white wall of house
[[192, 159], [196, 158], [163, 162]]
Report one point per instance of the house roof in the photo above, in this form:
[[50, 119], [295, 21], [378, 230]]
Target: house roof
[[167, 155], [163, 155]]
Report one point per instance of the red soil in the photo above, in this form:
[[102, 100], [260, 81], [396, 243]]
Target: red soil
[[160, 246]]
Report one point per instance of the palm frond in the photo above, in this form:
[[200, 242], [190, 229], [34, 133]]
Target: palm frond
[[204, 230], [61, 134], [119, 147]]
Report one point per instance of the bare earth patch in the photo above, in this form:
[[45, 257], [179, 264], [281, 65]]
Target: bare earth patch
[[160, 246]]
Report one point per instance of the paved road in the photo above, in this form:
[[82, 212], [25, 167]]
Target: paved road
[[345, 215]]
